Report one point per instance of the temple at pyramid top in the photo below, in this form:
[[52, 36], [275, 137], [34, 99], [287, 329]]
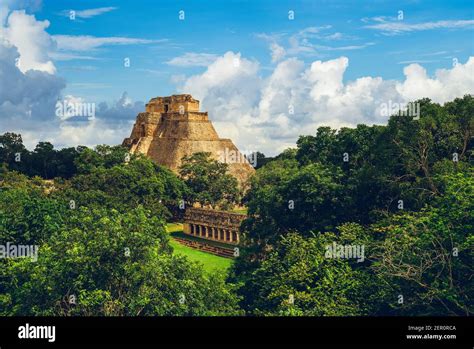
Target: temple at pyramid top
[[175, 103], [173, 127]]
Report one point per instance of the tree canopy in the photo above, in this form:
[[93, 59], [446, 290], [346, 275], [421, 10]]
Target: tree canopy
[[370, 220], [208, 181], [401, 191]]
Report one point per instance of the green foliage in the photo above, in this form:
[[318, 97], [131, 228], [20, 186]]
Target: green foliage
[[104, 156], [127, 185], [44, 161], [401, 193], [27, 217], [385, 164], [297, 279], [10, 145], [108, 250], [427, 256], [111, 262], [209, 182], [284, 197]]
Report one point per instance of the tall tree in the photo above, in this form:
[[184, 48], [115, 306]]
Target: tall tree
[[208, 181]]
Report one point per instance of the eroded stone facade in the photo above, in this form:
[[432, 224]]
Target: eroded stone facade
[[213, 225]]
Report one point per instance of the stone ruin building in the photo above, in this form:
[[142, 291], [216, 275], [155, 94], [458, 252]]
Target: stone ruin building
[[173, 127]]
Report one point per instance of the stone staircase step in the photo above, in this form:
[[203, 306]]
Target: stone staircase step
[[201, 246]]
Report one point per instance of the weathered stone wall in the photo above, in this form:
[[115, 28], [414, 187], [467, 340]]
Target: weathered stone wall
[[213, 225], [223, 219], [175, 103]]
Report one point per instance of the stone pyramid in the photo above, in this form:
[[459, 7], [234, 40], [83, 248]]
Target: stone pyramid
[[173, 127]]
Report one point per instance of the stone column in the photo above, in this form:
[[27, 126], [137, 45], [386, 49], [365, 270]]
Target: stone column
[[237, 237], [231, 233]]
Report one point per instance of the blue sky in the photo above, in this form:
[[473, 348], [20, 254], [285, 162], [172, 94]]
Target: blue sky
[[264, 76], [215, 27]]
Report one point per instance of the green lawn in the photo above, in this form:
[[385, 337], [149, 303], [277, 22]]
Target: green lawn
[[209, 261], [240, 210], [174, 227]]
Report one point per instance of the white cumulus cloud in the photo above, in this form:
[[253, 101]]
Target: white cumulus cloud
[[30, 92], [268, 114], [29, 36]]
